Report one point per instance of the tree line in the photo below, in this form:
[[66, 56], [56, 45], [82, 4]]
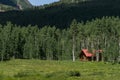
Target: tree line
[[52, 43]]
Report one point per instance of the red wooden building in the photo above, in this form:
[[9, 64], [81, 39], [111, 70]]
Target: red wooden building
[[85, 55]]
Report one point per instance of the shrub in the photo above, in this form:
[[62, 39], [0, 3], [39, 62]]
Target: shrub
[[74, 73]]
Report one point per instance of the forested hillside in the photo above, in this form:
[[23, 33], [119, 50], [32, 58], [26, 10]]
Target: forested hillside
[[9, 2], [14, 4], [72, 1], [61, 14]]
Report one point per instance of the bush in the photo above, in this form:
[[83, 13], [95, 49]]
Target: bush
[[74, 73]]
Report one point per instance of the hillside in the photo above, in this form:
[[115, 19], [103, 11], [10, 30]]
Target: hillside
[[61, 14], [14, 4], [72, 1]]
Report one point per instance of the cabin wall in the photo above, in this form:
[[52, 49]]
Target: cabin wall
[[97, 57], [84, 58]]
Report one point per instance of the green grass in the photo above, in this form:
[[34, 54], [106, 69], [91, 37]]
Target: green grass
[[58, 70]]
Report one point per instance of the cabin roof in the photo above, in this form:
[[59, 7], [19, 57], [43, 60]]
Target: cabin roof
[[87, 53]]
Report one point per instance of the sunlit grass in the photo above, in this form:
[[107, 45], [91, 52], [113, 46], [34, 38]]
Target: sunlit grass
[[58, 70]]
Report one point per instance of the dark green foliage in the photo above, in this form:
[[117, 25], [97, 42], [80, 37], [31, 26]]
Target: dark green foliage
[[61, 14], [8, 2], [51, 43], [72, 1], [74, 73]]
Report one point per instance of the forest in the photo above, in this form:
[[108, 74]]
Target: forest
[[52, 43], [62, 13]]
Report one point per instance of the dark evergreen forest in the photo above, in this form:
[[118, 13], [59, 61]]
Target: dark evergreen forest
[[52, 43], [61, 14]]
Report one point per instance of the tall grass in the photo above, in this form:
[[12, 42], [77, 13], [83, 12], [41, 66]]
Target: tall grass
[[58, 70]]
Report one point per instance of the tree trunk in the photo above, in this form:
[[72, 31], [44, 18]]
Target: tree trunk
[[73, 49], [97, 54]]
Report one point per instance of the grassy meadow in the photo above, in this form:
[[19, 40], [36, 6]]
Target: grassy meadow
[[58, 70]]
